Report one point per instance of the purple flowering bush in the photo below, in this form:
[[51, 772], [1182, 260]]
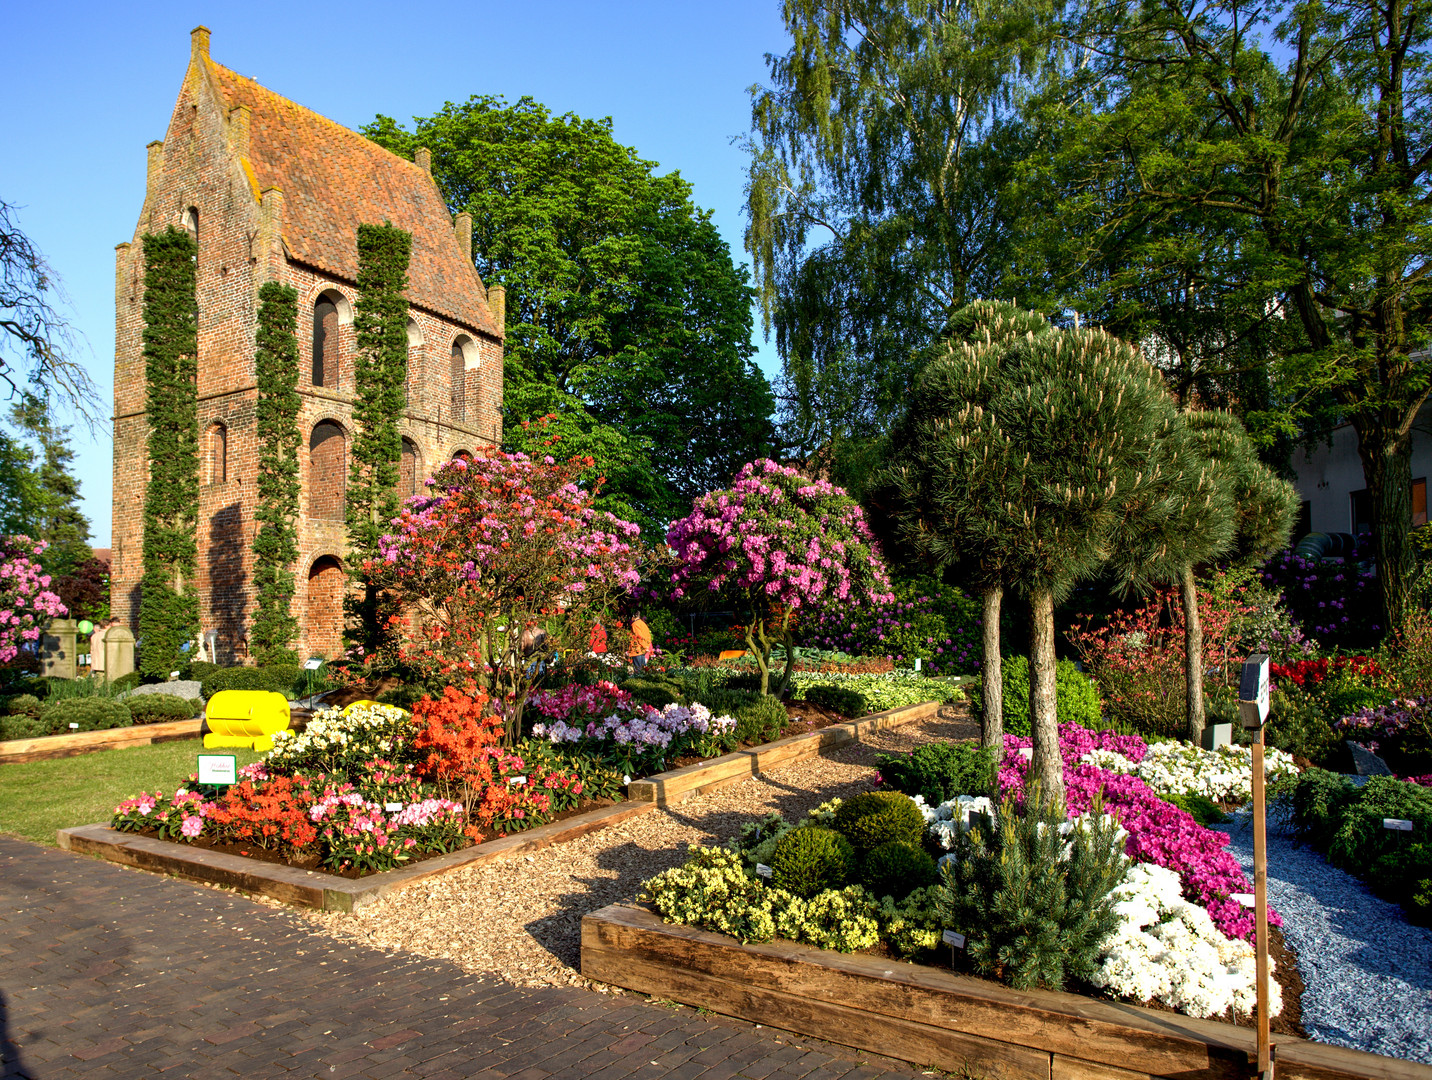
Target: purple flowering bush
[[940, 624], [1334, 601], [26, 601], [636, 738], [1400, 731], [1159, 832], [779, 544]]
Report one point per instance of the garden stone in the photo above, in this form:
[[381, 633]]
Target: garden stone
[[57, 649], [118, 652], [1366, 762], [184, 688], [1216, 735]]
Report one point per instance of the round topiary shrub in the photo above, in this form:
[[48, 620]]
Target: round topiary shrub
[[810, 860], [160, 708], [897, 869], [878, 817], [90, 714]]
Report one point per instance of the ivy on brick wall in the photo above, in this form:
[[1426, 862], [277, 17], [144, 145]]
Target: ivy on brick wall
[[169, 604], [380, 323], [276, 412]]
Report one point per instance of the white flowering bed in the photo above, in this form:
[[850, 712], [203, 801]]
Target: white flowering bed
[[1174, 768], [1168, 950]]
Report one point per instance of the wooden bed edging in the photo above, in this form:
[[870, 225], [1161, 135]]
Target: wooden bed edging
[[317, 888], [14, 751], [674, 786], [929, 1016]]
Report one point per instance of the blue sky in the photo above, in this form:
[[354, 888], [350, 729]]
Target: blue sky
[[86, 86]]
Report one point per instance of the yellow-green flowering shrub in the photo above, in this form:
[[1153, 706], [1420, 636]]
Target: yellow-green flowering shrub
[[712, 891], [839, 919], [912, 926]]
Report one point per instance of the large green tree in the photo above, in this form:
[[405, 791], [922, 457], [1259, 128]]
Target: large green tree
[[626, 318], [1276, 173], [59, 520]]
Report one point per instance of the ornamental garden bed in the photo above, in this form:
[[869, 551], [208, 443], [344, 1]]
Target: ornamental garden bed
[[931, 1017], [13, 751]]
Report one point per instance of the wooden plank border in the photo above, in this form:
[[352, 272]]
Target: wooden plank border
[[933, 1017], [15, 751]]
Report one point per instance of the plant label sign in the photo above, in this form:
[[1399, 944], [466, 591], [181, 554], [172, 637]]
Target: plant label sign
[[1397, 824], [313, 663], [762, 870], [953, 940], [1253, 692], [74, 727], [1243, 898], [516, 781], [219, 770], [392, 807], [1027, 752]]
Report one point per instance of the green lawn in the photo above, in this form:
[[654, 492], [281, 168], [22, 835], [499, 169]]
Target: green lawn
[[38, 798]]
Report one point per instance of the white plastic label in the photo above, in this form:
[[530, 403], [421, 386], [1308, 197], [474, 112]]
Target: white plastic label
[[952, 939], [74, 727], [917, 663], [762, 870], [313, 663], [1246, 899], [1027, 752], [218, 769], [174, 674], [392, 807], [516, 781], [1397, 823]]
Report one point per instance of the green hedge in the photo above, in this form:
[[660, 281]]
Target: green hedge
[[280, 680], [91, 714], [160, 708]]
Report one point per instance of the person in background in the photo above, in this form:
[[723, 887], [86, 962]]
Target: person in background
[[598, 641], [97, 646], [640, 648]]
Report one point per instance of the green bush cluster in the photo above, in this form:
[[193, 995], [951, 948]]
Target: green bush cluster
[[1077, 699], [761, 719], [878, 693], [91, 714], [812, 859], [873, 818], [23, 726], [938, 771], [279, 680], [160, 708], [838, 699], [656, 691], [1204, 811], [23, 705], [897, 868]]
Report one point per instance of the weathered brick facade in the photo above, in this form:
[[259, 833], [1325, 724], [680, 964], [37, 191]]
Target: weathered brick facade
[[276, 192]]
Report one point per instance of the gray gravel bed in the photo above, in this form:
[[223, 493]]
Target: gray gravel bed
[[184, 688], [1368, 972]]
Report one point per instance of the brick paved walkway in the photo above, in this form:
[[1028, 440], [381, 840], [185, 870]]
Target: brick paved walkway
[[108, 972]]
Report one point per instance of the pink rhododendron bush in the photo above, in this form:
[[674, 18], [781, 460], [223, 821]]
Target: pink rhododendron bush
[[26, 601], [778, 543]]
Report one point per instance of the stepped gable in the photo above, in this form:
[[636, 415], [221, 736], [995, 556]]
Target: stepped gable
[[333, 178]]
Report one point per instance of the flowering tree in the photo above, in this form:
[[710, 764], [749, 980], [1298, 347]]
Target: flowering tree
[[504, 564], [26, 601], [777, 542]]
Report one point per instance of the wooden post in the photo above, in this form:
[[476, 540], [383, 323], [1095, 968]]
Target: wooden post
[[1260, 905]]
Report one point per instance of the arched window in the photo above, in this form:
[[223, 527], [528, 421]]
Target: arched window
[[191, 223], [325, 343], [327, 472], [323, 622], [456, 380], [218, 452], [462, 455], [409, 469]]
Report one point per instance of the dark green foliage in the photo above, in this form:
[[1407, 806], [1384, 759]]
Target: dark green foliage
[[126, 682], [761, 720], [91, 714], [169, 605], [940, 770], [897, 869], [276, 419], [1204, 811], [1077, 697], [1360, 842], [280, 680], [1030, 915], [873, 818], [23, 705], [655, 690], [812, 859], [838, 699], [1319, 801], [24, 726], [57, 518], [161, 708], [1298, 724], [380, 373]]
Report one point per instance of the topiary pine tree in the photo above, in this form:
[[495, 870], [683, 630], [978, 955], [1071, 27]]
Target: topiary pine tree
[[922, 511], [381, 324], [276, 413], [168, 605]]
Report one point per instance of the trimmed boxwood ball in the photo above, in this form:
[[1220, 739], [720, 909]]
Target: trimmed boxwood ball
[[897, 869], [812, 859], [873, 818], [91, 714]]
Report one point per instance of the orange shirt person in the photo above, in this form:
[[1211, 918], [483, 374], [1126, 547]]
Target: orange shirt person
[[640, 648]]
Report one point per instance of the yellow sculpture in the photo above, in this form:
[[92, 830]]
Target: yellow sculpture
[[245, 718]]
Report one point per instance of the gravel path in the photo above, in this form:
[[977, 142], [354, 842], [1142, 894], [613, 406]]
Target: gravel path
[[522, 919], [1368, 972]]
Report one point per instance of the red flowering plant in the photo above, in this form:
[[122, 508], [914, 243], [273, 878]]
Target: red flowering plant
[[777, 542], [502, 563]]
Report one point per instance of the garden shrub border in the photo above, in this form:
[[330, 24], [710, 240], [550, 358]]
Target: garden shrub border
[[42, 747], [331, 892], [935, 1018]]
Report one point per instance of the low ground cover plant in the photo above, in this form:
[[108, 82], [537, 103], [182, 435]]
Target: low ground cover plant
[[871, 693]]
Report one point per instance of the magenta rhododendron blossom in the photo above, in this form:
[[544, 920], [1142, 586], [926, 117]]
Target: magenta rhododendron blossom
[[26, 602]]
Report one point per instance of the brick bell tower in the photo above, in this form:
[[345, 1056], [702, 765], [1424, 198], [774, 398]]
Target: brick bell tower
[[274, 192]]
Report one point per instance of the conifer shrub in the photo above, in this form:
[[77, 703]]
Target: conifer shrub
[[712, 891], [761, 720], [897, 869], [91, 714], [23, 726], [873, 818], [23, 705], [840, 919], [939, 771], [810, 860], [1033, 904], [1077, 699], [1318, 802], [160, 708], [838, 699]]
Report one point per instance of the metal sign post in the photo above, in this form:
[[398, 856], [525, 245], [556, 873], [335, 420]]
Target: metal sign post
[[1253, 707]]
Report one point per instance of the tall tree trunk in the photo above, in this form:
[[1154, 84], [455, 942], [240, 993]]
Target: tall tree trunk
[[1192, 655], [992, 674], [1387, 467], [1047, 767]]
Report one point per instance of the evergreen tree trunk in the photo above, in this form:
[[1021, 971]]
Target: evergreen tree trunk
[[1192, 655], [1047, 768], [992, 674], [1387, 468]]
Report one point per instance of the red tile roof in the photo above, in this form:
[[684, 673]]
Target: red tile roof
[[333, 179]]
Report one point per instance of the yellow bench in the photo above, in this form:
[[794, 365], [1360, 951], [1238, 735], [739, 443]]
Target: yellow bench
[[245, 718]]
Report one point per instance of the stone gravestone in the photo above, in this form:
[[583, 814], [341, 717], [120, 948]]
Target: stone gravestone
[[118, 652], [57, 649]]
